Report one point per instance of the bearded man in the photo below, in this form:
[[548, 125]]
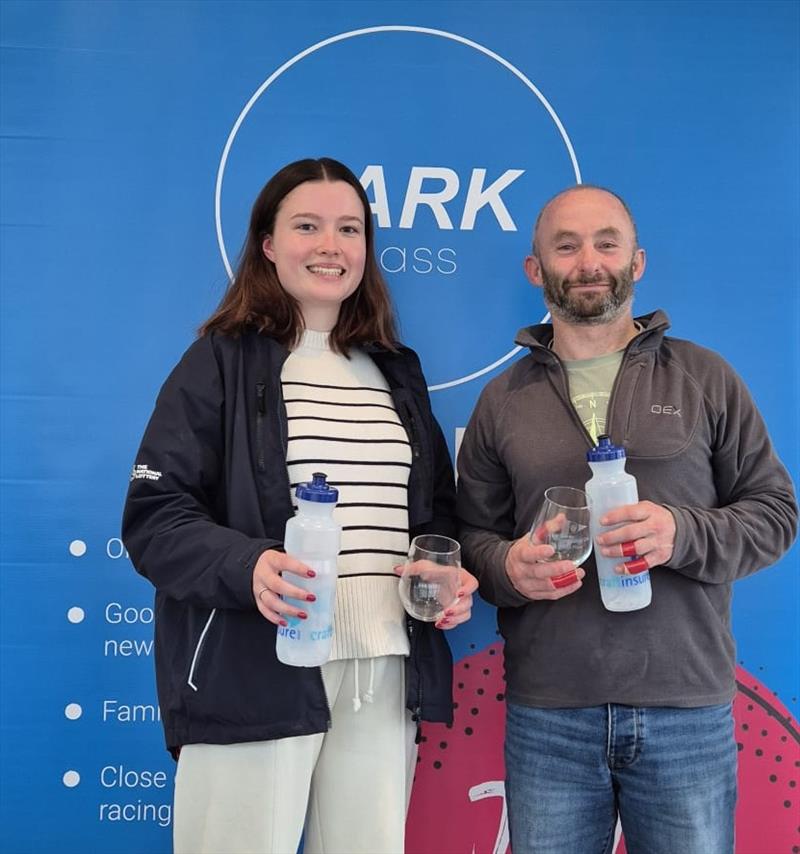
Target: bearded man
[[618, 715]]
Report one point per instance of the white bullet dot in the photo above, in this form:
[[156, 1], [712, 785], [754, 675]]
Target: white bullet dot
[[71, 779], [73, 711], [75, 615], [77, 548]]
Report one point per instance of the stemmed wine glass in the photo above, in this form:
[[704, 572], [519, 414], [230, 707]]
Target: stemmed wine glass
[[563, 523], [429, 582]]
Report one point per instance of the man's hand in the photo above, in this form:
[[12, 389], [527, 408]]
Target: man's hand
[[647, 534], [528, 570]]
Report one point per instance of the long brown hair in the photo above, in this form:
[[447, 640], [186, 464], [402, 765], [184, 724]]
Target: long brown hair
[[255, 297]]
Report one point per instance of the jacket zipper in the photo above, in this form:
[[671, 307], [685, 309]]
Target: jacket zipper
[[283, 429], [325, 695], [416, 713], [412, 431], [564, 394], [625, 364], [198, 649], [261, 408]]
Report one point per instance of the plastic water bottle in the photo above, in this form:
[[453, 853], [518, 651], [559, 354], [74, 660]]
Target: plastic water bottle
[[313, 538], [611, 487]]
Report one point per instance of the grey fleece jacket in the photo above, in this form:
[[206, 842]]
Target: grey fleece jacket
[[697, 444]]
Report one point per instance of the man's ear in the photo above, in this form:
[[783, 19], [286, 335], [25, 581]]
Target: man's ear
[[639, 263], [533, 270]]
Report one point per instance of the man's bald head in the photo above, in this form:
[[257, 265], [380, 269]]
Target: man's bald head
[[580, 188]]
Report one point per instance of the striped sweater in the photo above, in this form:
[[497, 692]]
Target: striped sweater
[[342, 422]]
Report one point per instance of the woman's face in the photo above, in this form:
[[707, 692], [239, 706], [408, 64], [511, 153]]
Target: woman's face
[[319, 248]]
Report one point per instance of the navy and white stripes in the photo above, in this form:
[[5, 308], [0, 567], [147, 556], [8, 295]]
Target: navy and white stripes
[[342, 421]]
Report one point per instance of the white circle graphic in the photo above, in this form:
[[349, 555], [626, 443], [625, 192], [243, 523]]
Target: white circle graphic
[[71, 779], [73, 711], [77, 548], [75, 615], [392, 28]]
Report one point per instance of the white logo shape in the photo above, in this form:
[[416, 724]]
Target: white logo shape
[[144, 472], [365, 32]]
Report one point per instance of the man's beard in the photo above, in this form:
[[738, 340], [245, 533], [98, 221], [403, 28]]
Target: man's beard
[[593, 307]]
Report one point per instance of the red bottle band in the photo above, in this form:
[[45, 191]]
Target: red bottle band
[[565, 580], [634, 567]]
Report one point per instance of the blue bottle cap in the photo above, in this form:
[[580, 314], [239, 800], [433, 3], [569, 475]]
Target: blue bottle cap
[[605, 451], [317, 490]]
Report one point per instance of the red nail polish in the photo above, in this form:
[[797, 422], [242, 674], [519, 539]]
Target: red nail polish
[[311, 573], [282, 623], [448, 613], [303, 615], [311, 598]]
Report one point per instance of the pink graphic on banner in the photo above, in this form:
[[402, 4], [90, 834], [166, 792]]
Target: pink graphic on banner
[[458, 802], [768, 737]]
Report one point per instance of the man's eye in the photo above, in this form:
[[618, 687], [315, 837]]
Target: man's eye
[[608, 244], [565, 247]]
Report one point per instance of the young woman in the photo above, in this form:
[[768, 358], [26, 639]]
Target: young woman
[[299, 370]]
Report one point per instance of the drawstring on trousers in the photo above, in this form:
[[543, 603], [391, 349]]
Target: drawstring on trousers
[[356, 697], [369, 694]]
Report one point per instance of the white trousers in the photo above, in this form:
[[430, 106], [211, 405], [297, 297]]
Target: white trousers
[[348, 788]]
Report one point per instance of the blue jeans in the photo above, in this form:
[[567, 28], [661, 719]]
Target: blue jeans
[[670, 775]]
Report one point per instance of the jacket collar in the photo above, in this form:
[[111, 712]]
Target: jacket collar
[[539, 337], [372, 347]]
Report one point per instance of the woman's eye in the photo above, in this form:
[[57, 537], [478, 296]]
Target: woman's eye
[[350, 229], [305, 226]]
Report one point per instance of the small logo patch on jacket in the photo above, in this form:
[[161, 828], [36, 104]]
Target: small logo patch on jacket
[[658, 409], [144, 472]]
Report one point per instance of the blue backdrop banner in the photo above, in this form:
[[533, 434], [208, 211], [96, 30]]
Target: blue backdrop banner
[[135, 136]]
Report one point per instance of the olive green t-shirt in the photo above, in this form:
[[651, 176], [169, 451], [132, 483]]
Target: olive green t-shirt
[[590, 384]]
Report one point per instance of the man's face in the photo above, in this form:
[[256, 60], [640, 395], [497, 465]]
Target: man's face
[[586, 257]]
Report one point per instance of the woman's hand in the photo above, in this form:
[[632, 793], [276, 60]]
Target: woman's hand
[[461, 610], [269, 586]]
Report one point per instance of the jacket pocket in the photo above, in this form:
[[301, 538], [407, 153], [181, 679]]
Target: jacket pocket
[[664, 409], [191, 679]]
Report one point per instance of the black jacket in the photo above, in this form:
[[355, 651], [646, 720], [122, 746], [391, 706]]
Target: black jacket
[[209, 493]]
